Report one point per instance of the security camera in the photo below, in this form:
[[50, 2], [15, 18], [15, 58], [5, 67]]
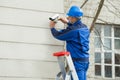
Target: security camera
[[54, 18]]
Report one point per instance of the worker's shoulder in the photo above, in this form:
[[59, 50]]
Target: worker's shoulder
[[82, 25], [79, 26]]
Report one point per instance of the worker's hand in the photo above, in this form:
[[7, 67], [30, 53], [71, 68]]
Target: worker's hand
[[52, 24], [64, 20]]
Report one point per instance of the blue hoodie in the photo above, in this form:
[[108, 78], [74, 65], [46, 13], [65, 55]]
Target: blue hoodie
[[77, 38]]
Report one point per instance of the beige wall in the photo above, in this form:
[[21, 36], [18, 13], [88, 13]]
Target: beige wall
[[26, 44]]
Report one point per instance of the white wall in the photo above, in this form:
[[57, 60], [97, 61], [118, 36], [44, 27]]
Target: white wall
[[26, 44]]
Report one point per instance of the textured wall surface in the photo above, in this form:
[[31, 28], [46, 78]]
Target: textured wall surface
[[26, 44], [110, 14]]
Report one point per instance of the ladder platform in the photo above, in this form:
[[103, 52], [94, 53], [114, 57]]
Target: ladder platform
[[62, 53]]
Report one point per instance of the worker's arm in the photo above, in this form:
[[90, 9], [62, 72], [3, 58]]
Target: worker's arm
[[63, 20], [64, 34]]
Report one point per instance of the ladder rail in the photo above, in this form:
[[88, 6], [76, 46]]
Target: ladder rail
[[62, 66], [72, 68]]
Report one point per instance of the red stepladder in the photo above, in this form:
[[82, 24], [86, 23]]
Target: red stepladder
[[63, 57]]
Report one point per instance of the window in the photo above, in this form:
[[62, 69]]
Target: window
[[108, 58], [107, 51], [98, 70], [97, 57]]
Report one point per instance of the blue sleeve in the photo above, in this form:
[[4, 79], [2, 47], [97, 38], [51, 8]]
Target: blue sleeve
[[64, 34]]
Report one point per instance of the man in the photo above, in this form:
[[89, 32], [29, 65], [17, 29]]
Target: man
[[76, 36]]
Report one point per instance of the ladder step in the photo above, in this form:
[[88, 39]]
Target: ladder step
[[62, 53]]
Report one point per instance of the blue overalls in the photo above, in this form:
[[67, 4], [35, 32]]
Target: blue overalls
[[77, 38]]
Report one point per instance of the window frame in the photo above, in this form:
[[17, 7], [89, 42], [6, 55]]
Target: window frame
[[103, 51]]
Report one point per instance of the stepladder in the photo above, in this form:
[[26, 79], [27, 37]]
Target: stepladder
[[67, 69]]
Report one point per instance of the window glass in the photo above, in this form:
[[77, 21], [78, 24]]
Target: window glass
[[97, 57], [117, 32], [108, 58], [108, 71], [97, 30], [117, 71], [107, 31], [97, 42], [107, 44], [117, 59], [98, 70], [117, 43]]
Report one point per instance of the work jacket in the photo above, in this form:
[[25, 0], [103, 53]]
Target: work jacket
[[77, 39]]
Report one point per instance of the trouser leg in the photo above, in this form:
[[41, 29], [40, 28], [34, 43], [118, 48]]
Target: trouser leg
[[81, 69], [81, 74]]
